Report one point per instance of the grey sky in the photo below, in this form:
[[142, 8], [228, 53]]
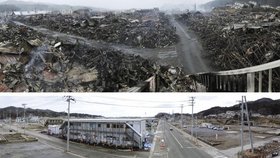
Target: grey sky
[[127, 104], [122, 4]]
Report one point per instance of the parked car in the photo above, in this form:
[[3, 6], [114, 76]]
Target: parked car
[[275, 153]]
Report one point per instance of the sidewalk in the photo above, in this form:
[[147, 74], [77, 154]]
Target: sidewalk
[[159, 149]]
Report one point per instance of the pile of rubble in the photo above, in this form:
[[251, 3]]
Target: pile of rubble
[[143, 28], [237, 37], [16, 44], [41, 64], [271, 149]]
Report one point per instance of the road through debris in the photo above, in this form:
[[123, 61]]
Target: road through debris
[[141, 28], [38, 62]]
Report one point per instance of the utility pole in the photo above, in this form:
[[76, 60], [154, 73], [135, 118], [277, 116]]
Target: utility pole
[[196, 129], [192, 104], [244, 103], [68, 99], [182, 106], [17, 112], [173, 119], [17, 119], [248, 122], [24, 117], [242, 123], [10, 119]]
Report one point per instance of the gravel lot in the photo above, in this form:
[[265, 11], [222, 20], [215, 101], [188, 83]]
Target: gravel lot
[[31, 150]]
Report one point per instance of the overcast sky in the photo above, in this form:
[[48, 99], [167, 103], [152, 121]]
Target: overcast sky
[[128, 104], [122, 4]]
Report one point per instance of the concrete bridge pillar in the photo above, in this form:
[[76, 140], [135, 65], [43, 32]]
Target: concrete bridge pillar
[[251, 82]]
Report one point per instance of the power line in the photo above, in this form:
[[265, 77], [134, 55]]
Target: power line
[[138, 100], [43, 104], [122, 105]]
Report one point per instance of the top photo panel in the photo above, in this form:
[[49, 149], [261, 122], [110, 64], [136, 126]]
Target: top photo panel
[[140, 46]]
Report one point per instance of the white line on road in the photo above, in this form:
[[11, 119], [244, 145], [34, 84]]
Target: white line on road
[[176, 140], [190, 147]]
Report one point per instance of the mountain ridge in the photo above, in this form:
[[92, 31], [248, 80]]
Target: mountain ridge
[[263, 106], [5, 113]]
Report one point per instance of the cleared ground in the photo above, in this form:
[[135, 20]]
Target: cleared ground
[[31, 150], [54, 147], [227, 139]]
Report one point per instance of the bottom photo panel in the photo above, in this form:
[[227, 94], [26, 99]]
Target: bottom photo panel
[[140, 125]]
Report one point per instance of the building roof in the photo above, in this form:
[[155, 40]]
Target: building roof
[[105, 120]]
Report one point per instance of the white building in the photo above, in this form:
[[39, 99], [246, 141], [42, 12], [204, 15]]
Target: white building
[[53, 129], [206, 125], [112, 132]]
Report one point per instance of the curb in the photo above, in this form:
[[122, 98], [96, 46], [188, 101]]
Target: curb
[[154, 142]]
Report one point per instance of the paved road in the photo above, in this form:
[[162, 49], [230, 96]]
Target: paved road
[[189, 50], [176, 145], [82, 150]]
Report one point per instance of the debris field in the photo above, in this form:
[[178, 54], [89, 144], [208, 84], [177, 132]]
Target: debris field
[[237, 37], [271, 149], [141, 28], [33, 62]]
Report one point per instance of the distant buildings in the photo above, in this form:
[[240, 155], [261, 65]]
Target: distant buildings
[[53, 121]]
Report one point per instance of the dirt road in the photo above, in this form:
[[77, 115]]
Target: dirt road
[[189, 50]]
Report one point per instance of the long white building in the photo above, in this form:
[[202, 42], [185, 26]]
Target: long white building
[[112, 132]]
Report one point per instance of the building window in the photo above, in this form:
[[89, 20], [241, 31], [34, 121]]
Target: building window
[[114, 126], [99, 125], [108, 125]]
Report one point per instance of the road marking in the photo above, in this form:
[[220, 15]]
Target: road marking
[[176, 140], [187, 147]]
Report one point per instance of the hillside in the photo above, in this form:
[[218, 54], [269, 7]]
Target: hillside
[[32, 6], [219, 3], [5, 112], [175, 115], [264, 106]]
